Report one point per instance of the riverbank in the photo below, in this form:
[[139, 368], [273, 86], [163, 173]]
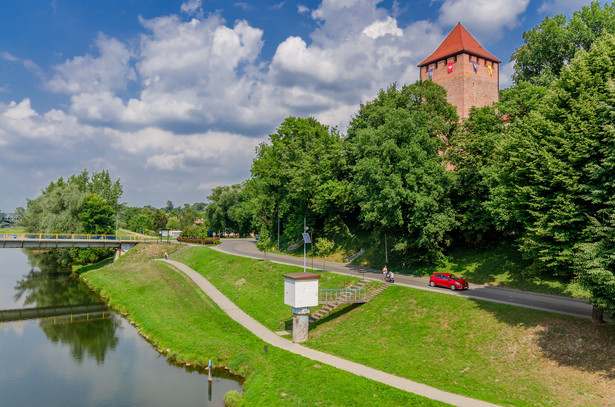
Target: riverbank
[[493, 352], [182, 323]]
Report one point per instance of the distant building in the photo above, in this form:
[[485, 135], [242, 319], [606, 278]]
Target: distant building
[[470, 74]]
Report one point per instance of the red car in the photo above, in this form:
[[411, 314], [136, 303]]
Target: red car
[[448, 280]]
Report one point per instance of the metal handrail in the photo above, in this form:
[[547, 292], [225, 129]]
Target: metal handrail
[[346, 295]]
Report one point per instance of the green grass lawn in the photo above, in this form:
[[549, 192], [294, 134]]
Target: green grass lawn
[[17, 229], [248, 281], [494, 352], [175, 315]]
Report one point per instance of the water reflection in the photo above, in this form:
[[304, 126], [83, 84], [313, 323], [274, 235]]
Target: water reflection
[[95, 363], [49, 284], [93, 339]]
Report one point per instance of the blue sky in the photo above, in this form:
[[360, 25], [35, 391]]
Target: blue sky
[[172, 97]]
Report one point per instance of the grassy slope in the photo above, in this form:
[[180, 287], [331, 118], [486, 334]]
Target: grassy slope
[[500, 265], [17, 229], [176, 315], [495, 352]]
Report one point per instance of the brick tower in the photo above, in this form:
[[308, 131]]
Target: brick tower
[[470, 74]]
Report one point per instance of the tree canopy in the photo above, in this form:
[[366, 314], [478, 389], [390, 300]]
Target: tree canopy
[[399, 182], [300, 174], [552, 45], [556, 165], [79, 205]]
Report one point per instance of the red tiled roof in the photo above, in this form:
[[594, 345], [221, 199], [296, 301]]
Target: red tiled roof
[[459, 40]]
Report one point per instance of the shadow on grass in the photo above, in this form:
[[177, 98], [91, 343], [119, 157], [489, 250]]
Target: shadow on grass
[[569, 341], [336, 313]]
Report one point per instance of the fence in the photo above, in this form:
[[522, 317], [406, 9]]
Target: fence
[[342, 295]]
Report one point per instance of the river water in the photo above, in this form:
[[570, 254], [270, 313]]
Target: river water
[[98, 361]]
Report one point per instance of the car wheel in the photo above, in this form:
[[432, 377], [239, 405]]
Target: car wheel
[[453, 288], [431, 283]]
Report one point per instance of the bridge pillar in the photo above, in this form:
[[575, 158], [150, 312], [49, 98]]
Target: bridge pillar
[[124, 247]]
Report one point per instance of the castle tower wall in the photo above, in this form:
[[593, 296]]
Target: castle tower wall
[[474, 78], [465, 87]]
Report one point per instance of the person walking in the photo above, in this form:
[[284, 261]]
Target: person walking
[[385, 271]]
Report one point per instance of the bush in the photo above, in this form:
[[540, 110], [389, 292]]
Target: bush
[[233, 399], [194, 232], [197, 240]]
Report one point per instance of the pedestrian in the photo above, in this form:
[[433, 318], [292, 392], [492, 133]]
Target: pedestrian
[[385, 271], [166, 256]]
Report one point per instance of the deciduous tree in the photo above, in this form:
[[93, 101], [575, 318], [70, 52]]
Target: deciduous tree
[[394, 150]]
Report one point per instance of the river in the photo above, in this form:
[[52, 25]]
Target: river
[[98, 361]]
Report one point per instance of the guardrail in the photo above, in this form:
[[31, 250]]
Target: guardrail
[[66, 236], [342, 295]]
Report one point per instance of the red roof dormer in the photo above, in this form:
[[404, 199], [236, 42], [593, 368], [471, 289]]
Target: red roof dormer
[[459, 40]]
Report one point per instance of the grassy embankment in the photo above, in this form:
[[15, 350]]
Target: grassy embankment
[[495, 352], [500, 265], [187, 327], [16, 229]]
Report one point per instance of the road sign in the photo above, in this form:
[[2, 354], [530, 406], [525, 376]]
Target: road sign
[[306, 238]]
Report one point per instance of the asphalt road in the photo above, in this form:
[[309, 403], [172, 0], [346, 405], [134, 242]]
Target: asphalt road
[[545, 302]]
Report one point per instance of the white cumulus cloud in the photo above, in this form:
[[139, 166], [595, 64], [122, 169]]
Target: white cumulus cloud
[[110, 70], [486, 19]]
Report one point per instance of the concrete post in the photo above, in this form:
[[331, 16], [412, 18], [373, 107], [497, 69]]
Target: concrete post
[[301, 324]]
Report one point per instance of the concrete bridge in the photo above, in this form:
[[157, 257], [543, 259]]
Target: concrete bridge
[[59, 241]]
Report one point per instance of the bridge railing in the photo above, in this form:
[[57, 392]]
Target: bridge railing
[[65, 236]]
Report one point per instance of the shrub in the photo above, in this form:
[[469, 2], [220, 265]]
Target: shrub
[[233, 399]]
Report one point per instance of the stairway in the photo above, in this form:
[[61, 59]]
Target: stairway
[[327, 308]]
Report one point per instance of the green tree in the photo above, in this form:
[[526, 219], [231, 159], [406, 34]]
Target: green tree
[[96, 215], [551, 46], [264, 243], [101, 184], [56, 210], [173, 223], [517, 101], [595, 265], [324, 247], [221, 200], [300, 174], [142, 222], [399, 180], [555, 170], [471, 151], [188, 216], [160, 220]]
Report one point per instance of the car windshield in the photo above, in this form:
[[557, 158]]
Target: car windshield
[[453, 277]]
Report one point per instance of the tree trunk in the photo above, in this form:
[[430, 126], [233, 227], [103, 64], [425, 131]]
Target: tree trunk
[[597, 315]]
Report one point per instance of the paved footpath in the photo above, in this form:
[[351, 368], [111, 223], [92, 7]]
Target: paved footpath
[[361, 370]]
